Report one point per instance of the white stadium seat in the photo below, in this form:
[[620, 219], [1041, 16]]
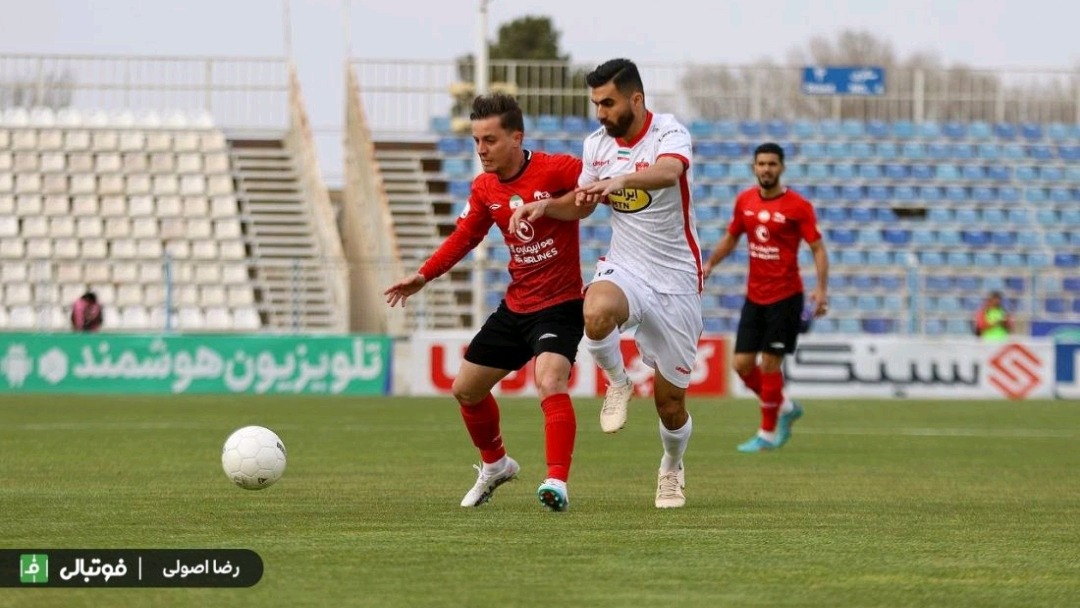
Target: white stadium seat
[[129, 294], [95, 249], [28, 204], [52, 162], [122, 248], [55, 183], [196, 206], [173, 228], [105, 140], [144, 227], [218, 318], [213, 141], [94, 272], [66, 248], [17, 293], [27, 183], [208, 273], [50, 139], [246, 318], [21, 317], [13, 272], [80, 162], [132, 140], [111, 184], [212, 295], [114, 206], [240, 295], [137, 184], [56, 205], [166, 184], [162, 162], [140, 206], [190, 318], [125, 272], [26, 162], [154, 294], [180, 249], [199, 228], [234, 274], [204, 250], [168, 206], [220, 185], [12, 248], [151, 272], [158, 141], [5, 139], [223, 206], [217, 162], [62, 226], [189, 162], [191, 185], [83, 184], [186, 295], [88, 227], [227, 229], [35, 226], [39, 248], [9, 226], [85, 205], [24, 139], [7, 182], [232, 250], [70, 291], [185, 141], [108, 162], [134, 317], [76, 140], [7, 204], [150, 249], [136, 162], [7, 159]]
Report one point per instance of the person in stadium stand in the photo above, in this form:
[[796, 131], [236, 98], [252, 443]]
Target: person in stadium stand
[[541, 315], [86, 313], [640, 164], [992, 322], [775, 220]]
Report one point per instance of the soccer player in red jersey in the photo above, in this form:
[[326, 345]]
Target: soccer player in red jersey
[[775, 219], [541, 315]]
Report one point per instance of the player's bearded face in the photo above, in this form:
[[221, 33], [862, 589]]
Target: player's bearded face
[[617, 123], [767, 169]]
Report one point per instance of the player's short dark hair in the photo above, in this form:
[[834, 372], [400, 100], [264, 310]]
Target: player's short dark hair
[[770, 148], [622, 72], [502, 105]]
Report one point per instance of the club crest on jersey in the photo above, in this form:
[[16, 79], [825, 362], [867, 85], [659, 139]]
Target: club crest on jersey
[[525, 232], [516, 201], [762, 234], [641, 165], [763, 216], [629, 200]]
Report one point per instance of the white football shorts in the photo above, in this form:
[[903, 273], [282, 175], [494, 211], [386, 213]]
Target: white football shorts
[[668, 325]]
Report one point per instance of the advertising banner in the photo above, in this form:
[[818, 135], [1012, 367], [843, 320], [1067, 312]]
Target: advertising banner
[[167, 364], [436, 357], [866, 366]]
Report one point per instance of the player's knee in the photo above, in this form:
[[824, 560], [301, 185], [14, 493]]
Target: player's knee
[[599, 322], [743, 365], [550, 384], [465, 394], [672, 410]]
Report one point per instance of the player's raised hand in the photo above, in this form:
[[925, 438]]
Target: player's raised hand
[[530, 212], [400, 291]]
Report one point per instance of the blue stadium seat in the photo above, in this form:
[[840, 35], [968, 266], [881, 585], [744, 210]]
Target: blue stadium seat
[[740, 171], [967, 216], [561, 146], [973, 173], [777, 129], [830, 129], [701, 129], [1012, 259], [1071, 284], [988, 152], [962, 151], [575, 125], [547, 123], [949, 304], [1008, 194], [886, 150], [817, 171], [852, 128], [863, 282], [868, 236], [939, 283], [879, 326], [884, 215], [844, 171], [896, 171], [914, 150], [1038, 259], [1056, 239], [904, 194], [877, 193], [1040, 152], [441, 125], [1031, 131], [931, 258], [940, 215], [731, 149], [451, 146], [794, 171], [939, 151], [457, 167], [1066, 260], [1046, 217], [1055, 306], [958, 327], [812, 150], [751, 129], [867, 303], [1005, 130], [837, 150], [1060, 195], [852, 257], [948, 173], [1035, 195], [732, 301], [1072, 174], [878, 257], [700, 193], [460, 189], [824, 325], [1058, 132], [922, 172], [725, 129], [892, 302], [841, 236], [861, 149], [954, 130], [1028, 239], [713, 171], [999, 173], [862, 215], [877, 129], [890, 283], [804, 129], [848, 325], [705, 149], [1070, 217], [1002, 238], [929, 130], [833, 214], [931, 194], [903, 129], [983, 194], [1051, 174], [985, 259], [896, 236], [949, 237], [725, 193], [979, 130], [975, 238], [1069, 154], [956, 194], [715, 325], [1013, 152], [842, 303], [922, 236], [852, 193], [868, 171]]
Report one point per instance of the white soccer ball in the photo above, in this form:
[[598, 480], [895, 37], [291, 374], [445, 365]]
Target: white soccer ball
[[253, 457]]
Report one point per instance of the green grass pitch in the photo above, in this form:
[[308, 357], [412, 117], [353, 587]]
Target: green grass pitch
[[872, 503]]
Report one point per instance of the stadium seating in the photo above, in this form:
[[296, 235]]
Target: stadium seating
[[89, 200]]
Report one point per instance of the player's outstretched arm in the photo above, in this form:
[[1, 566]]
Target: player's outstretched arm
[[564, 207], [400, 291], [820, 294], [723, 249]]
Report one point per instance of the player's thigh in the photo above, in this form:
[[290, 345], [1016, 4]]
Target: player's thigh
[[500, 343], [474, 382], [750, 335], [782, 320], [668, 336], [552, 374]]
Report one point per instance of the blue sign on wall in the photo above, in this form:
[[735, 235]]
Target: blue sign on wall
[[835, 80], [1067, 360]]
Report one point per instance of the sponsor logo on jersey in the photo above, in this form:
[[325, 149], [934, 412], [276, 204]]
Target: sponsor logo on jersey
[[601, 163], [762, 233], [629, 200]]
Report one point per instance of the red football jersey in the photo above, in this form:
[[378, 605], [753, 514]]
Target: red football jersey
[[773, 229], [545, 258]]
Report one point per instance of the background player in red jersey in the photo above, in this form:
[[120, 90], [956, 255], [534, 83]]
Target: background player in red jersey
[[775, 219], [541, 314]]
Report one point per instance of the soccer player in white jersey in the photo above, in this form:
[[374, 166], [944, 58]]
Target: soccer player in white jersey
[[640, 164]]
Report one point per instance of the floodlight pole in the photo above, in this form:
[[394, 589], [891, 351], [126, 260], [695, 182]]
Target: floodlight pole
[[480, 81]]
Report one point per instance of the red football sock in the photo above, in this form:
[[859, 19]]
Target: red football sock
[[753, 380], [772, 394], [560, 428], [482, 421]]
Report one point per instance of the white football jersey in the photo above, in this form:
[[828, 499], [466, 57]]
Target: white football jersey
[[653, 232]]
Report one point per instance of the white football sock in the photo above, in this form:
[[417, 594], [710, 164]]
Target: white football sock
[[674, 445], [608, 356], [787, 405]]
